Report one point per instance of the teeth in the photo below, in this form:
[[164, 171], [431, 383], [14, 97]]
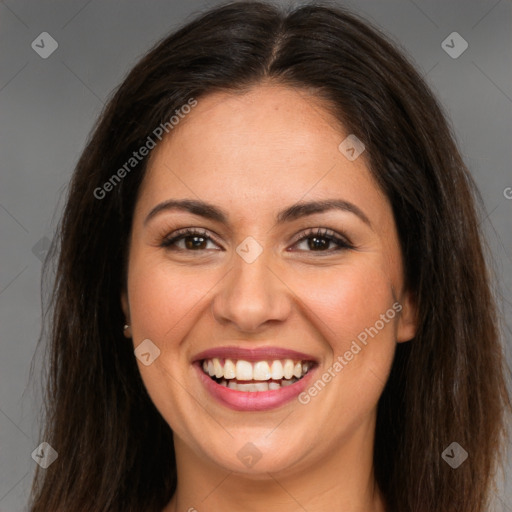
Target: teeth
[[277, 370], [211, 369], [229, 369], [259, 386], [261, 371], [287, 368], [241, 370], [256, 386], [219, 372]]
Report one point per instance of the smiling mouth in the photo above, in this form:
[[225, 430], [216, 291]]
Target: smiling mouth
[[241, 375]]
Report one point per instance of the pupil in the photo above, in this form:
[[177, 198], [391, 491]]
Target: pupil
[[194, 242], [318, 243]]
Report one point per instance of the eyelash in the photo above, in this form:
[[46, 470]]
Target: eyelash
[[342, 242]]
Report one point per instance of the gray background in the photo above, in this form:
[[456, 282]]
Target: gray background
[[48, 107]]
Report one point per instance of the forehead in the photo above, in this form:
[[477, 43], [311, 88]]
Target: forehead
[[267, 147]]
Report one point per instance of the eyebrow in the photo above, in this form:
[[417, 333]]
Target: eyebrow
[[296, 211]]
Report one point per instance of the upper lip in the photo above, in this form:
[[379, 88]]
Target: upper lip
[[253, 354]]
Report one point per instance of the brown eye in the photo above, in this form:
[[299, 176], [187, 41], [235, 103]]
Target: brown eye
[[195, 242], [318, 243], [321, 240], [188, 240]]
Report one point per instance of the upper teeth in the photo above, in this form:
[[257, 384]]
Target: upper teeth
[[259, 370]]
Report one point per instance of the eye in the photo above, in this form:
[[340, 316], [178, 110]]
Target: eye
[[189, 239], [321, 239], [314, 240]]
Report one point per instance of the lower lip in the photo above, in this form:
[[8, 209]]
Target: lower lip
[[253, 400]]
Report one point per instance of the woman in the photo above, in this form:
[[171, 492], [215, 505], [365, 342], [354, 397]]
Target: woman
[[271, 291]]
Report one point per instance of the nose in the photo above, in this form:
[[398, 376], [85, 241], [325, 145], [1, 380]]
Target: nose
[[252, 297]]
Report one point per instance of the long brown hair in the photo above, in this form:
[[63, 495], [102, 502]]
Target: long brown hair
[[447, 385]]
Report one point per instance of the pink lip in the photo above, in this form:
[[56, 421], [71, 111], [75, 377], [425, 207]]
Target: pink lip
[[253, 354], [256, 400]]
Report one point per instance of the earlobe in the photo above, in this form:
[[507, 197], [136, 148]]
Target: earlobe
[[408, 319]]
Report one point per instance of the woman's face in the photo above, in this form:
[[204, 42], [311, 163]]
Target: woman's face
[[270, 285]]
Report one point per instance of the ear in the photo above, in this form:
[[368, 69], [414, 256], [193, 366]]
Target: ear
[[125, 306], [126, 310], [408, 318]]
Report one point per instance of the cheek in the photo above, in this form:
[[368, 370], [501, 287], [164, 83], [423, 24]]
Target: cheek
[[164, 304], [164, 299], [346, 300], [353, 308]]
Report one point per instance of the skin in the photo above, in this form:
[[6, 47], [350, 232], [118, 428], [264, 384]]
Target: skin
[[251, 155]]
